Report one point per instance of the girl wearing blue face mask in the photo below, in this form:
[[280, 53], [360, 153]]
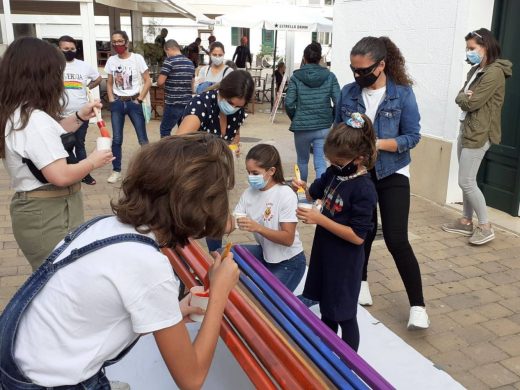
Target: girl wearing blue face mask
[[348, 197], [270, 206], [220, 111]]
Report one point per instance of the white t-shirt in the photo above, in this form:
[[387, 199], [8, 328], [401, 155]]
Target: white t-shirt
[[39, 142], [372, 98], [75, 79], [92, 309], [270, 208], [127, 73], [463, 114]]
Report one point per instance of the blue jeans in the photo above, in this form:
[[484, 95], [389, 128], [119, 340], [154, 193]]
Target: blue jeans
[[119, 109], [10, 375], [79, 146], [302, 142], [171, 117], [289, 272], [213, 244]]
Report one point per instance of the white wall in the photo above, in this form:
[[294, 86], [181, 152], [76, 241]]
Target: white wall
[[430, 35]]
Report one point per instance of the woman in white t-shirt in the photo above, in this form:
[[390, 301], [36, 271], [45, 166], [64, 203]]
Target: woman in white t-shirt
[[215, 71], [270, 206], [33, 140], [86, 307]]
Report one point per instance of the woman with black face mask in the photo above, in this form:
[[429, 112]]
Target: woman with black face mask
[[382, 90], [77, 76]]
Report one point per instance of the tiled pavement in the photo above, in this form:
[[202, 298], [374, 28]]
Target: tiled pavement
[[472, 293]]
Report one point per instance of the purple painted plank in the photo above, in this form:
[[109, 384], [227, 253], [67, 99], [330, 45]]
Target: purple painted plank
[[356, 363]]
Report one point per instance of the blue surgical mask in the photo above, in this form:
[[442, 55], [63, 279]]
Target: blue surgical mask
[[473, 57], [227, 108], [257, 182]]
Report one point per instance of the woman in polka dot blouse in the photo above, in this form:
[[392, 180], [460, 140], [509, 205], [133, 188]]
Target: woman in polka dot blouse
[[220, 111]]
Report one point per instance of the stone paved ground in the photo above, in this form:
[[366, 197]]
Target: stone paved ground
[[472, 293]]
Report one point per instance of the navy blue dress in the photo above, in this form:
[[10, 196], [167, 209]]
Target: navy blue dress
[[336, 265]]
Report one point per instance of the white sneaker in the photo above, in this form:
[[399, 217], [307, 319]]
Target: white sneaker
[[365, 299], [114, 177], [117, 385], [418, 318]]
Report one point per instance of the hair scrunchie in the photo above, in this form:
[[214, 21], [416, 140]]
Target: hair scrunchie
[[356, 121]]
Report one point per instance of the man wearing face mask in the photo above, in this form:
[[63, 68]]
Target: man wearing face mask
[[76, 77], [383, 91], [127, 86]]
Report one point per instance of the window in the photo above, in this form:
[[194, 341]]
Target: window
[[328, 2], [237, 33], [323, 38], [268, 38]]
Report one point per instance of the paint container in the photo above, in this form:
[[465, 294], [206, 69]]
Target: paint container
[[104, 143], [237, 216], [199, 298]]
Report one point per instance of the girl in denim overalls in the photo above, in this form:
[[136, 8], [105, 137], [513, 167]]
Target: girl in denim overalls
[[383, 92], [107, 283]]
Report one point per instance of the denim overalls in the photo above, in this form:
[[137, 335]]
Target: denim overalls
[[11, 378]]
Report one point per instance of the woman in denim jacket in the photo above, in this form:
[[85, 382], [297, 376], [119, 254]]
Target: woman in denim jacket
[[383, 92]]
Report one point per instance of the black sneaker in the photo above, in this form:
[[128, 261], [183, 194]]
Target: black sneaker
[[89, 180]]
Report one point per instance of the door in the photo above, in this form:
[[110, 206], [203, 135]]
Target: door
[[499, 175]]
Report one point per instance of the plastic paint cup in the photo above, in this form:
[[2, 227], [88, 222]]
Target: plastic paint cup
[[237, 216], [305, 205], [198, 300], [104, 143]]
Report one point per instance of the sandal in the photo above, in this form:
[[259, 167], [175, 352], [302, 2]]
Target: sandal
[[89, 180]]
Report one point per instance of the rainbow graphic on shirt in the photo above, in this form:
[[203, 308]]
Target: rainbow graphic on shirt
[[71, 84]]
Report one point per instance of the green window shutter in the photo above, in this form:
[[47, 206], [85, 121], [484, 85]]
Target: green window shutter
[[268, 38], [314, 37], [235, 36]]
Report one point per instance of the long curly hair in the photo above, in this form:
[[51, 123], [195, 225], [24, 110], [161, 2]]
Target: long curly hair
[[383, 48], [31, 78]]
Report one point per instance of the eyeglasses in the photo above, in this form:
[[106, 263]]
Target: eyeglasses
[[476, 34], [365, 71]]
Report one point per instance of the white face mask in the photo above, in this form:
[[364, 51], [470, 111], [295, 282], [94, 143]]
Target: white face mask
[[217, 61]]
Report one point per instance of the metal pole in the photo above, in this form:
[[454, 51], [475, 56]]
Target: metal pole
[[274, 65]]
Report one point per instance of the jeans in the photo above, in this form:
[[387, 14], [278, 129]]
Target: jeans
[[119, 109], [10, 375], [171, 117], [79, 146], [393, 194], [289, 272], [302, 142], [213, 244], [472, 198]]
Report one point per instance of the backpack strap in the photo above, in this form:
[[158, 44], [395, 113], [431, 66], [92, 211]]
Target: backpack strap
[[225, 70]]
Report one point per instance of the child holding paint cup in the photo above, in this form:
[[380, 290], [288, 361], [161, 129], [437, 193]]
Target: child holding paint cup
[[348, 199], [267, 209]]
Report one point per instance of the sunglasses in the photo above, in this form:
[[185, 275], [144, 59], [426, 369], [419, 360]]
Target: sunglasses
[[365, 71], [475, 34]]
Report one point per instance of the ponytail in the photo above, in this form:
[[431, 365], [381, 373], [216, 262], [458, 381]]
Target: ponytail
[[383, 48]]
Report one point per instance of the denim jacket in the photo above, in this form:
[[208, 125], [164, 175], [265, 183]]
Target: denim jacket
[[397, 117]]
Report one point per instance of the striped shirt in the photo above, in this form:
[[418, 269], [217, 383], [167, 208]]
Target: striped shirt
[[179, 72]]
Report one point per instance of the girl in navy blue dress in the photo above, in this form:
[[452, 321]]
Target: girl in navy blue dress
[[348, 199]]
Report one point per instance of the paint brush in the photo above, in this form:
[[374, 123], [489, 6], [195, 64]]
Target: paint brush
[[100, 122], [300, 192], [225, 252]]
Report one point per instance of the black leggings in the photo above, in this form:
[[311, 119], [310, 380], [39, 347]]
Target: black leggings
[[349, 331], [394, 205]]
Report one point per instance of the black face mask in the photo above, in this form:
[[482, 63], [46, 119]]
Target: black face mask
[[69, 55], [345, 170], [366, 81]]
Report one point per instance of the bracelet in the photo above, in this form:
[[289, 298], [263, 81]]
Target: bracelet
[[79, 118]]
